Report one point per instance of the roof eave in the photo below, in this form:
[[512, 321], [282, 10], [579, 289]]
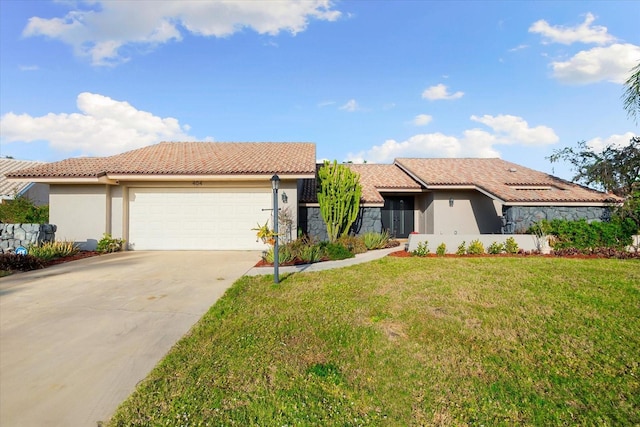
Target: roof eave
[[209, 177], [65, 179], [562, 203]]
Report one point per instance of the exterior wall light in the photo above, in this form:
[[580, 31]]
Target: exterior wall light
[[451, 202], [285, 198], [275, 183]]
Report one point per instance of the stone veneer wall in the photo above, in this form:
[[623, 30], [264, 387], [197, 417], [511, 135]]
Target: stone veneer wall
[[517, 219], [312, 224], [14, 235]]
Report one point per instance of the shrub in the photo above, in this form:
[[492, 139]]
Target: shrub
[[284, 255], [335, 251], [495, 248], [310, 254], [108, 244], [475, 248], [355, 244], [14, 262], [461, 248], [422, 249], [511, 246], [376, 240], [441, 250], [589, 236], [50, 250], [22, 211]]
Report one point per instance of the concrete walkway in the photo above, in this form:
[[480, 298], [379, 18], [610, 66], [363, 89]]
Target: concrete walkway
[[328, 265], [76, 338]]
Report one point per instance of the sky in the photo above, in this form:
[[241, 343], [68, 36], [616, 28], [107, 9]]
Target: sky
[[363, 80]]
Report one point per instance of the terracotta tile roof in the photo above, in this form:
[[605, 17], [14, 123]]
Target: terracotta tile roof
[[507, 181], [188, 158], [373, 177], [7, 166]]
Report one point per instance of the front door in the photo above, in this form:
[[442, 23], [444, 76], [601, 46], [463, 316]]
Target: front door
[[397, 216]]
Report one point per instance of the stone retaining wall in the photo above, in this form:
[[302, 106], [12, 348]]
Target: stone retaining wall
[[517, 219], [312, 224], [14, 235]]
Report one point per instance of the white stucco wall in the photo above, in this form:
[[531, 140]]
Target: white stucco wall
[[116, 212], [79, 211]]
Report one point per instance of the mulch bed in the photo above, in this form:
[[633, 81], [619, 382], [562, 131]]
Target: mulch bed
[[79, 255]]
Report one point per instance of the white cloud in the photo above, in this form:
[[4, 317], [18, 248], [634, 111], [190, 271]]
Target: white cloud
[[583, 33], [515, 130], [617, 141], [611, 63], [325, 104], [103, 127], [440, 91], [422, 119], [350, 106], [507, 130], [519, 47], [28, 68], [101, 28]]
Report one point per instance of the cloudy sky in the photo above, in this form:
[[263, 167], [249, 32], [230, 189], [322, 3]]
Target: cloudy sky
[[364, 80]]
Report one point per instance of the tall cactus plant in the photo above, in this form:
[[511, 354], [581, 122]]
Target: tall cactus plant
[[339, 194]]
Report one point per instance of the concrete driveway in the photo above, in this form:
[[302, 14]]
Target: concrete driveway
[[75, 339]]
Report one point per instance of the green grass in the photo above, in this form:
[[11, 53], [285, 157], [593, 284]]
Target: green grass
[[410, 341]]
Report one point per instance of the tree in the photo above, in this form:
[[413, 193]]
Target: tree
[[614, 169], [631, 96], [339, 194]]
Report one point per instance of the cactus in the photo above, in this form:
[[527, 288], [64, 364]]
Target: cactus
[[339, 194]]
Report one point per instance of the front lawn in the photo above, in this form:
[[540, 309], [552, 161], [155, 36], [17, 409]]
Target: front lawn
[[410, 341]]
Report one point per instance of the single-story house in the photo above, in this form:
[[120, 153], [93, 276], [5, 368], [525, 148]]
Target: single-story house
[[38, 193], [201, 195], [459, 196]]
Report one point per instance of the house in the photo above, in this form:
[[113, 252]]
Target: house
[[200, 195], [178, 196], [460, 196], [38, 193]]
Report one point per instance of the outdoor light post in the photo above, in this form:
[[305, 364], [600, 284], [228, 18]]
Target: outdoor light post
[[275, 182]]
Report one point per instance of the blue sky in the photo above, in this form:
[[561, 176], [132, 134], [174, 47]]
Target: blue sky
[[364, 80]]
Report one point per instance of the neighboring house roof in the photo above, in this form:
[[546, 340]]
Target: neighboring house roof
[[8, 189], [505, 181], [374, 178], [186, 158]]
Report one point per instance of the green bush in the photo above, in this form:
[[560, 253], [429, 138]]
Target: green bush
[[14, 262], [587, 236], [461, 248], [284, 255], [376, 240], [47, 251], [22, 211], [355, 244], [335, 251], [496, 248], [441, 250], [422, 249], [511, 246], [108, 244], [475, 248], [310, 254]]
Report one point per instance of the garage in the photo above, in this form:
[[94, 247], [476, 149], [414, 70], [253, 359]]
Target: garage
[[197, 218]]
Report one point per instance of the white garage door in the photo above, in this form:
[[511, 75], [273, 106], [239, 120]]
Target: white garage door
[[196, 218]]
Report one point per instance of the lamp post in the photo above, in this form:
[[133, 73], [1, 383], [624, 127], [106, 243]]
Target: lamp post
[[275, 183]]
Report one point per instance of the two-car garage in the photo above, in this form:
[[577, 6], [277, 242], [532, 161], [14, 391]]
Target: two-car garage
[[197, 218]]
